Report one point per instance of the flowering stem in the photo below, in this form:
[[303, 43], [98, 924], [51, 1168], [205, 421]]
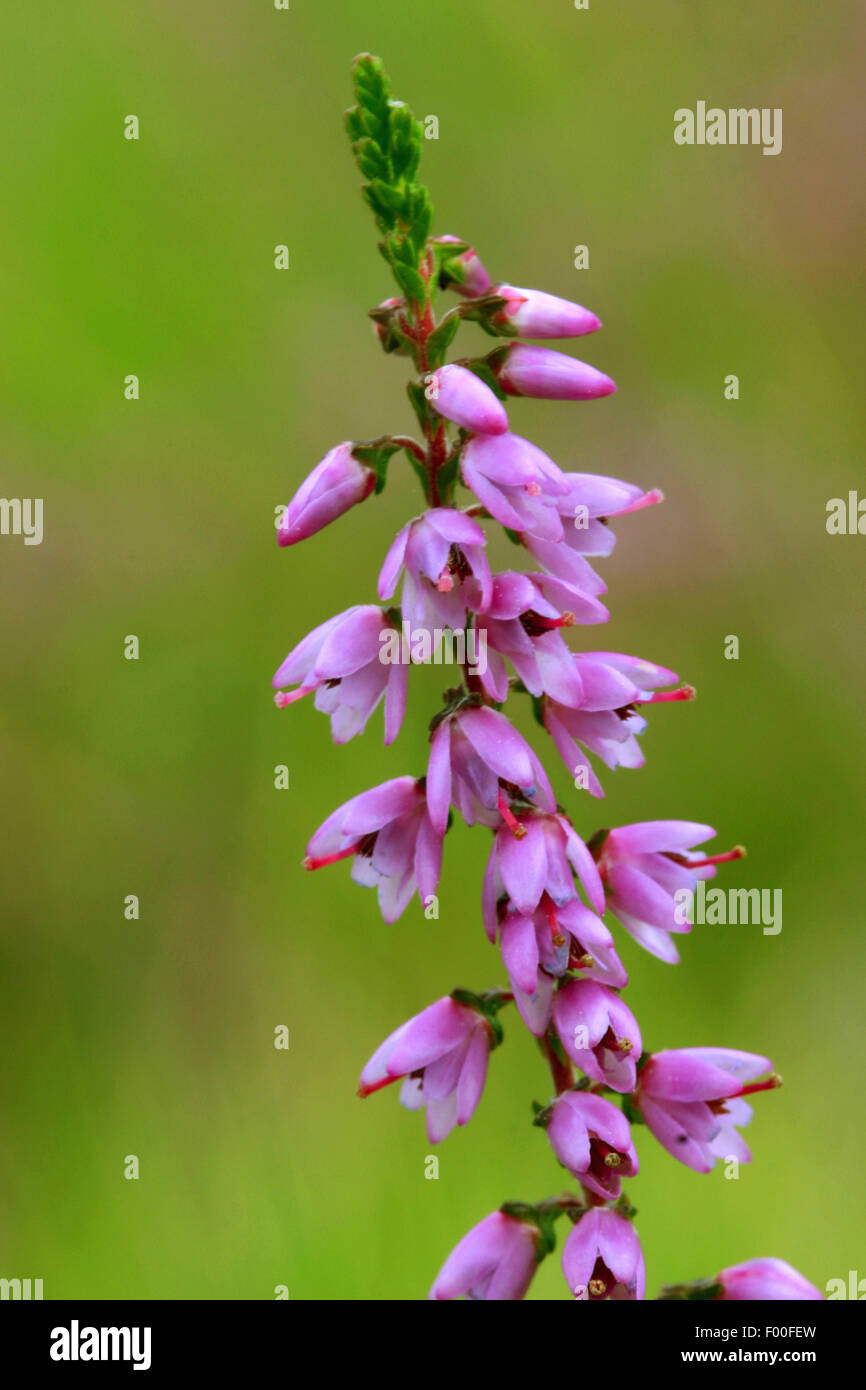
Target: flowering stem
[[561, 1070]]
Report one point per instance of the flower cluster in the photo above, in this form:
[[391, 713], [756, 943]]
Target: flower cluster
[[546, 890]]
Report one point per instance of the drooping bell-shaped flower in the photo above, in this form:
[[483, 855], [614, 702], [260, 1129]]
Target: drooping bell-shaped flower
[[692, 1100], [523, 622], [537, 853], [537, 950], [650, 872], [473, 749], [440, 554], [602, 1258], [605, 720], [517, 483], [599, 1033], [495, 1260], [441, 1056], [342, 661], [388, 835], [592, 1138]]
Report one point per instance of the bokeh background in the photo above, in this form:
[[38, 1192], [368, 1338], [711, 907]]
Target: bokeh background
[[154, 1037]]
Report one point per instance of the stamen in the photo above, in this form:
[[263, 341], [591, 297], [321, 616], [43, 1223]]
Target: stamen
[[517, 830], [310, 862], [597, 1287], [738, 852], [288, 697], [772, 1083], [660, 697], [649, 499]]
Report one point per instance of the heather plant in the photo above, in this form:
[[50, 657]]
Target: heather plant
[[546, 889]]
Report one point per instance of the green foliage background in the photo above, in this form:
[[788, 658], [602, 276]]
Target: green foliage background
[[154, 1037]]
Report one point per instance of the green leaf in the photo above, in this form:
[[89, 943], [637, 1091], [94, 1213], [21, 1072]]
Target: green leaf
[[410, 282], [440, 340]]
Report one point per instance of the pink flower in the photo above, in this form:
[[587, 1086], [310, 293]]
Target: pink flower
[[602, 1258], [691, 1099], [335, 485], [644, 867], [462, 397], [341, 661], [441, 1055], [583, 509], [538, 949], [522, 622], [599, 1033], [517, 483], [495, 1260], [534, 314], [765, 1280], [522, 370], [472, 750], [605, 719], [535, 854], [592, 1139], [438, 553], [462, 272], [389, 837]]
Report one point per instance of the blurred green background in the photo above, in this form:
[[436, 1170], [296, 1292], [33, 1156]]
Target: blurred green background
[[155, 1037]]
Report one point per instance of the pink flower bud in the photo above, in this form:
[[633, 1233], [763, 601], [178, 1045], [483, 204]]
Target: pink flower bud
[[495, 1260], [335, 485], [765, 1280], [465, 273], [461, 396], [534, 314], [525, 370]]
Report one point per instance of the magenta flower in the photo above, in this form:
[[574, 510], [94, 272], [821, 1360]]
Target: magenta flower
[[462, 397], [584, 508], [441, 1056], [534, 314], [495, 1260], [605, 719], [599, 1033], [472, 750], [388, 834], [522, 370], [337, 483], [764, 1280], [645, 867], [464, 271], [341, 660], [592, 1139], [534, 854], [691, 1099], [437, 554], [602, 1258], [538, 949], [522, 623], [517, 483]]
